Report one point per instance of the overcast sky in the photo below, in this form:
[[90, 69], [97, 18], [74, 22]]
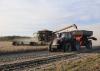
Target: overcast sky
[[23, 17]]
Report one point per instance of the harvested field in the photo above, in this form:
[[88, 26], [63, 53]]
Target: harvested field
[[90, 62], [7, 47]]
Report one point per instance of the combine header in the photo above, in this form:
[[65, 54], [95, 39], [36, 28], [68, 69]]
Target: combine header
[[72, 40]]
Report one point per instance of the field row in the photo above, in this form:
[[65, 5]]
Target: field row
[[87, 62]]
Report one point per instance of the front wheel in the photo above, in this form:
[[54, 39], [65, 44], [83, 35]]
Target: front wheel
[[50, 47], [22, 43]]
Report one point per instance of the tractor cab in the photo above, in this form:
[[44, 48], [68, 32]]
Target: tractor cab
[[65, 35]]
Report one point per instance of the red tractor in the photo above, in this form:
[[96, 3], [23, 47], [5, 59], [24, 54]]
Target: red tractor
[[71, 41]]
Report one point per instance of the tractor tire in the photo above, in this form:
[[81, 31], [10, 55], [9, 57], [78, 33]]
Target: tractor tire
[[89, 44], [77, 45], [67, 47]]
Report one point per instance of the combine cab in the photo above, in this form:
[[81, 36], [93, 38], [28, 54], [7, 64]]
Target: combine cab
[[45, 36], [42, 37]]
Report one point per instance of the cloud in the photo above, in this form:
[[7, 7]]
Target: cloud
[[85, 17], [23, 17]]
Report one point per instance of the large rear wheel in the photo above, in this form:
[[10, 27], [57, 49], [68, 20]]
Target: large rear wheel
[[77, 45], [67, 47]]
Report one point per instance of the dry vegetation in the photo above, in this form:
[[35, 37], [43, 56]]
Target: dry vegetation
[[6, 47], [89, 63]]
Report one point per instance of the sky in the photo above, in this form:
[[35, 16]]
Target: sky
[[23, 17]]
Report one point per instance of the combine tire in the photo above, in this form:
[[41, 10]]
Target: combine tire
[[14, 43], [31, 43], [22, 43], [50, 47]]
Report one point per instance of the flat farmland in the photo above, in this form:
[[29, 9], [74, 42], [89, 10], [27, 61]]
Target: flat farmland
[[7, 47], [86, 60], [10, 53], [89, 62]]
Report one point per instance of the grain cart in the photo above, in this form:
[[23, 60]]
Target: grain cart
[[71, 41]]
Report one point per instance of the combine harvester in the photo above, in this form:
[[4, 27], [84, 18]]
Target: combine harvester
[[40, 38], [72, 40]]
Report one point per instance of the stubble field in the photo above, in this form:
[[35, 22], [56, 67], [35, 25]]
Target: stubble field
[[7, 47], [91, 61]]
